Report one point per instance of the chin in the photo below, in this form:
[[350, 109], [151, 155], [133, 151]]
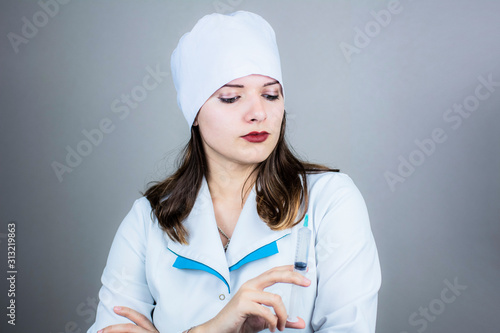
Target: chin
[[257, 159]]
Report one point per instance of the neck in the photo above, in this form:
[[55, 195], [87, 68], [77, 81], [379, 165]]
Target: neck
[[230, 183]]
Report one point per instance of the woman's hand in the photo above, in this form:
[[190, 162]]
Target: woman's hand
[[142, 324], [245, 312]]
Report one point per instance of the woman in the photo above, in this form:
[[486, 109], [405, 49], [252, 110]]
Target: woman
[[210, 248]]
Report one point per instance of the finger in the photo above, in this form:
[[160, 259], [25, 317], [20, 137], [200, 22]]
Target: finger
[[122, 328], [266, 314], [279, 310], [137, 317], [272, 300], [297, 324], [279, 274]]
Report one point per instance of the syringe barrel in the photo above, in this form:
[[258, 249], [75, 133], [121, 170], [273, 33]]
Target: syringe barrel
[[302, 250], [300, 265]]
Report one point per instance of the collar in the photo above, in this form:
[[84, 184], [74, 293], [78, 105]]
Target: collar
[[251, 240]]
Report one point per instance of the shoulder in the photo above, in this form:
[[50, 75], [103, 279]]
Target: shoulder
[[142, 205], [139, 219], [330, 182], [141, 209], [334, 194]]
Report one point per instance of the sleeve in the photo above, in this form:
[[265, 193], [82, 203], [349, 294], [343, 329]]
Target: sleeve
[[124, 278], [348, 268]]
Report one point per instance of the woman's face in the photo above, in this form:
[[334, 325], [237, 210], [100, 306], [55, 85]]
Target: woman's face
[[240, 123]]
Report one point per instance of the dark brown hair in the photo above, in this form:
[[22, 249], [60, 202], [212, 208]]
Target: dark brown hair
[[280, 184]]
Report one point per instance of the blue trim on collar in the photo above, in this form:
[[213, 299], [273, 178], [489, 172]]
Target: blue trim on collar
[[185, 263], [262, 252]]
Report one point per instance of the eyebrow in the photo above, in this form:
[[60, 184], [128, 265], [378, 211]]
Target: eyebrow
[[242, 86]]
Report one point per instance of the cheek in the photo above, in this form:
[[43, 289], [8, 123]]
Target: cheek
[[216, 125], [211, 133], [276, 117], [209, 121], [216, 132]]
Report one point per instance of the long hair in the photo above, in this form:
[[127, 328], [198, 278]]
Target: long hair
[[280, 183]]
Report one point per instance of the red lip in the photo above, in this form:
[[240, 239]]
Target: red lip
[[256, 136]]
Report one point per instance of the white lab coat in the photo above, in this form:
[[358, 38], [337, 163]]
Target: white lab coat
[[179, 286]]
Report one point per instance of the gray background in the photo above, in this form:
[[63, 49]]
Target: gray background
[[363, 116]]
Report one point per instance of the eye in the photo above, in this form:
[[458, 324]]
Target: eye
[[271, 97], [229, 100]]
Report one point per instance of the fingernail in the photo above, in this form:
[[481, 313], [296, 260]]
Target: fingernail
[[117, 308], [306, 280], [100, 331]]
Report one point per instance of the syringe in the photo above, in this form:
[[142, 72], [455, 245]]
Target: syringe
[[300, 265]]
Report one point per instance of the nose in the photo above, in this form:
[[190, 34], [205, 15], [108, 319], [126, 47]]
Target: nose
[[256, 109]]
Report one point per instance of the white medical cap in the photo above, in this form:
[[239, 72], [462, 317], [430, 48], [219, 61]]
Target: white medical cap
[[219, 49]]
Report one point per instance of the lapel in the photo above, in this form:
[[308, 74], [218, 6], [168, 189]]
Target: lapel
[[252, 239]]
